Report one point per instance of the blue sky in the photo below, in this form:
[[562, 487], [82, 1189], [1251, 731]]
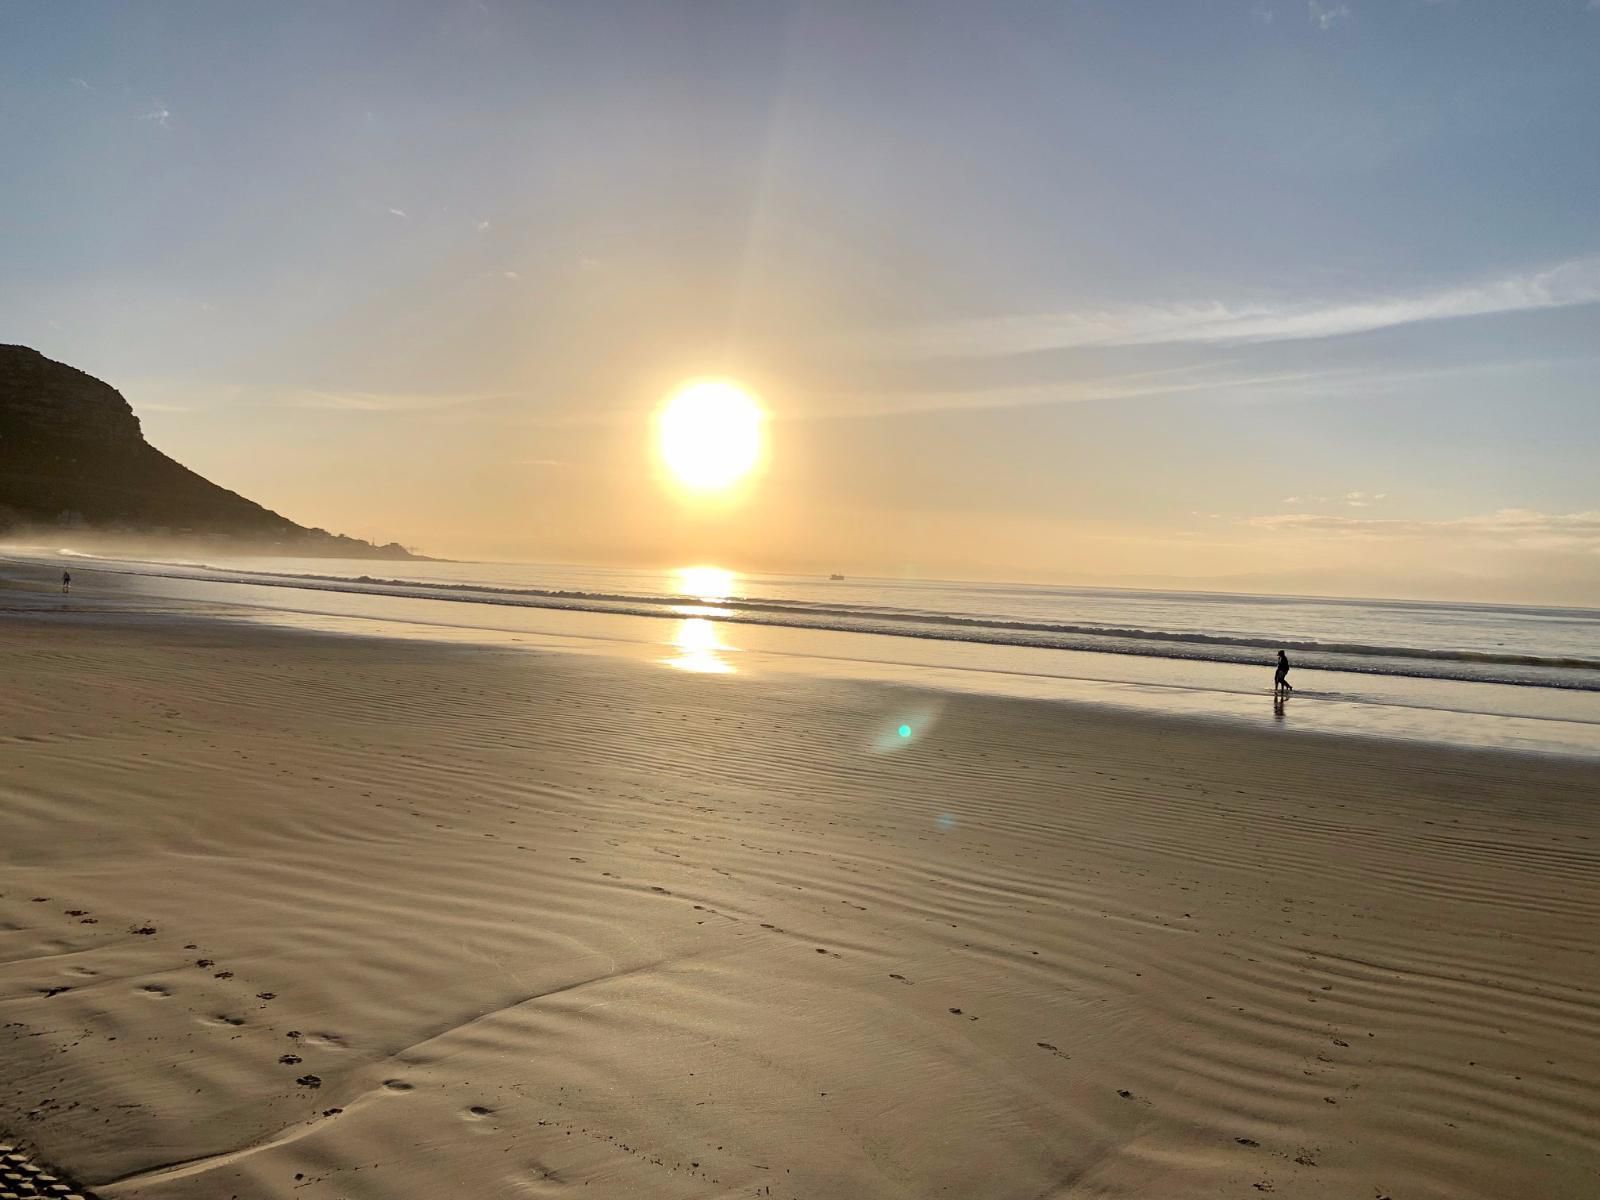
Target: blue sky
[[1303, 294]]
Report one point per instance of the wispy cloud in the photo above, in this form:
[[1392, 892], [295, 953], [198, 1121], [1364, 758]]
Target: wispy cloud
[[1220, 322], [482, 227], [1350, 499], [160, 114], [352, 401], [83, 83], [1516, 527], [510, 275], [1144, 385], [1326, 16], [401, 213]]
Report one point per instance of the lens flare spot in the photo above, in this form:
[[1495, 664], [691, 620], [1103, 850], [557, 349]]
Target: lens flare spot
[[897, 732]]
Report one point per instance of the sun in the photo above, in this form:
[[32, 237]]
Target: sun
[[711, 434]]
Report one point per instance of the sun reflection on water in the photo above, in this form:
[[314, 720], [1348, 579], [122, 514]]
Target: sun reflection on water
[[705, 583]]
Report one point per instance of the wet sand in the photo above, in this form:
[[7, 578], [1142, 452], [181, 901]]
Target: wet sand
[[288, 914]]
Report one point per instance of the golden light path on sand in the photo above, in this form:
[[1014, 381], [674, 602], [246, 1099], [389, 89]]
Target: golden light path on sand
[[699, 648]]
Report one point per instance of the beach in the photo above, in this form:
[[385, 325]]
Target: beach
[[290, 913]]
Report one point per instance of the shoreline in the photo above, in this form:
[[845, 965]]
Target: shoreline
[[1413, 710], [793, 667], [939, 628], [563, 917]]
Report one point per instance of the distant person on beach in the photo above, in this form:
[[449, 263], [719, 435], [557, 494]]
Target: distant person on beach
[[66, 582], [1280, 681]]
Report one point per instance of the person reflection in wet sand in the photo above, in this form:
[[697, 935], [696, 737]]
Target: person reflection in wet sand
[[1281, 686]]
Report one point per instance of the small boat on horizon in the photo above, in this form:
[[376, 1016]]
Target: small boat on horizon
[[835, 576]]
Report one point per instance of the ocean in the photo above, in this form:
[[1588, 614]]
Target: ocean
[[1195, 652], [1512, 644]]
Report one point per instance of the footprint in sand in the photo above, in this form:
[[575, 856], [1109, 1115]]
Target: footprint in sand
[[478, 1112], [224, 1019], [310, 1081], [397, 1085], [289, 1060], [1059, 1053], [901, 978], [155, 989]]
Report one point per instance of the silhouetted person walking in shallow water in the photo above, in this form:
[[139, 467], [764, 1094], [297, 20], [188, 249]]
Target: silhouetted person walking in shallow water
[[66, 582], [1280, 681]]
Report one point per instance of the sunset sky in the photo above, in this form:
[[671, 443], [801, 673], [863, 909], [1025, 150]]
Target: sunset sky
[[1259, 293]]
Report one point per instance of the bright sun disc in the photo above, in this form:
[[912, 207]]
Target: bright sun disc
[[711, 434]]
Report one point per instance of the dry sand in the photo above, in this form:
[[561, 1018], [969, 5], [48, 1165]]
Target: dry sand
[[286, 914]]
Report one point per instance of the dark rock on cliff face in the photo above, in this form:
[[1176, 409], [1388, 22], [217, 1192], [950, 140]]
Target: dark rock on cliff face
[[72, 456]]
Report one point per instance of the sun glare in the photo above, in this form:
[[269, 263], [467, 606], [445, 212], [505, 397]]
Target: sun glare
[[705, 583], [711, 434]]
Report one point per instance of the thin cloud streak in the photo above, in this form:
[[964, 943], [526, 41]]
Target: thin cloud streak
[[1218, 323], [1521, 527], [1210, 380], [385, 402], [855, 406]]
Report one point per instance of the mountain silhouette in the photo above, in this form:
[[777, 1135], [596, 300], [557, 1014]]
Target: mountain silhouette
[[73, 457]]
